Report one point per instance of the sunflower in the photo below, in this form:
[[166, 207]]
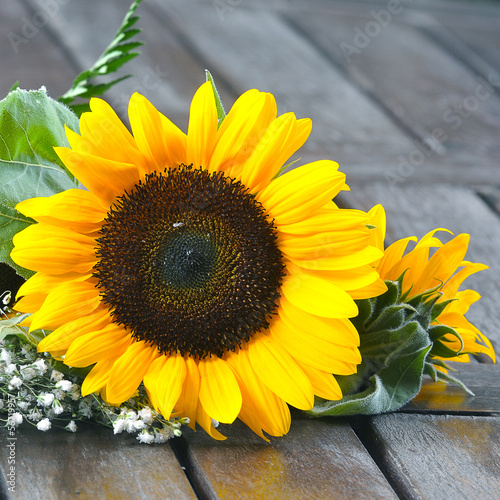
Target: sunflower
[[441, 272], [190, 265]]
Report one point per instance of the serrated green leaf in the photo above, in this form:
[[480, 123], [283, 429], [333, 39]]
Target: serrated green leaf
[[118, 53], [31, 124]]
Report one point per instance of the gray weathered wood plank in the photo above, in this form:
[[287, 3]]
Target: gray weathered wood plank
[[433, 95], [28, 53], [91, 464], [318, 459], [255, 48], [437, 456], [482, 379]]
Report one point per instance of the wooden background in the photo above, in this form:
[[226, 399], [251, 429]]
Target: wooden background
[[404, 95]]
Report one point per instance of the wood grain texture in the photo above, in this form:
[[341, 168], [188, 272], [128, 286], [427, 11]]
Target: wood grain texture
[[253, 47], [166, 72], [455, 112], [92, 464], [431, 456], [318, 459], [415, 209], [28, 52], [437, 397]]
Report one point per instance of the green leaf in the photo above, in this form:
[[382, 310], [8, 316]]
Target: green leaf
[[389, 389], [221, 114], [118, 53], [31, 124], [10, 326]]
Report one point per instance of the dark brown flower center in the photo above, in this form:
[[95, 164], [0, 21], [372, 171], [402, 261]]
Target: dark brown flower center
[[189, 262]]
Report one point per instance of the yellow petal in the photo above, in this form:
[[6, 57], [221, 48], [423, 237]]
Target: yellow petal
[[318, 296], [280, 373], [109, 342], [315, 351], [272, 413], [128, 371], [442, 264], [61, 338], [157, 137], [220, 395], [97, 377], [106, 179], [65, 303], [324, 384], [282, 138], [169, 384], [202, 130], [152, 381], [241, 130], [297, 194], [187, 403], [337, 330]]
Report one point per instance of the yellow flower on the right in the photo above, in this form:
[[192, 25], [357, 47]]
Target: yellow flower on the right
[[442, 271]]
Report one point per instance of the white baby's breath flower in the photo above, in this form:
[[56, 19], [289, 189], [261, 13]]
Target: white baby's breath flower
[[15, 382], [146, 415], [34, 415], [28, 373], [15, 419], [46, 399], [56, 375], [64, 385], [58, 394], [75, 393], [10, 369], [57, 407], [118, 425], [145, 437], [44, 425], [138, 425], [71, 426], [40, 365], [85, 409], [23, 405], [5, 357], [163, 435]]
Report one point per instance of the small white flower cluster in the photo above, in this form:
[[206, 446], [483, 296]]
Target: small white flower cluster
[[45, 396], [141, 421]]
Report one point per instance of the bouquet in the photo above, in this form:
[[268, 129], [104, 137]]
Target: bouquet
[[153, 278]]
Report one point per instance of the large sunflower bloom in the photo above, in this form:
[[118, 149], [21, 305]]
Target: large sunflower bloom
[[444, 270], [188, 265]]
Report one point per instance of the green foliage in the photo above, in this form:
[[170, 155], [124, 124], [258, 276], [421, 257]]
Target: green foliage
[[398, 346], [31, 124], [119, 52], [221, 114]]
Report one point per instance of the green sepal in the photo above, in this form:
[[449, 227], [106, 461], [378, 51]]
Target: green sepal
[[388, 390], [221, 114], [31, 124]]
